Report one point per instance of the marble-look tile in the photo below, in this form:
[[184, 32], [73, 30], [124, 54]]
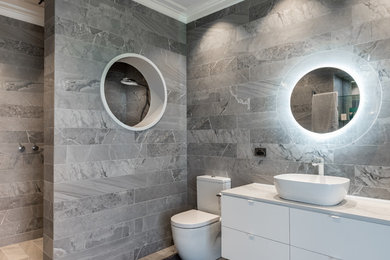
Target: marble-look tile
[[21, 237], [20, 214], [103, 169], [20, 201], [258, 120], [222, 164], [224, 79], [149, 193], [95, 187], [269, 135], [372, 51], [84, 32], [363, 155], [77, 100], [363, 12], [89, 136], [177, 97], [289, 152], [21, 111], [84, 241], [158, 150], [160, 136], [263, 104], [378, 193], [27, 32], [70, 226], [171, 123], [21, 98], [66, 118], [372, 176], [88, 153], [213, 122], [218, 136], [20, 60], [215, 149]]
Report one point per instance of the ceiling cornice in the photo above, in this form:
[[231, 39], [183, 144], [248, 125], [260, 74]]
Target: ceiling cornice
[[164, 8], [22, 10], [209, 8], [181, 13]]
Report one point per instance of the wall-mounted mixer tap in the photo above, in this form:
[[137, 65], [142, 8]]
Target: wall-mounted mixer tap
[[320, 163], [35, 147], [21, 148]]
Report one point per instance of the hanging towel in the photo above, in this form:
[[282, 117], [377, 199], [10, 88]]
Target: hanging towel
[[324, 114]]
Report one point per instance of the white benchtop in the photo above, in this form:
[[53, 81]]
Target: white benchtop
[[360, 208]]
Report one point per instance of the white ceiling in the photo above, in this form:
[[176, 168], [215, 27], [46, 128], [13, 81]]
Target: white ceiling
[[187, 10]]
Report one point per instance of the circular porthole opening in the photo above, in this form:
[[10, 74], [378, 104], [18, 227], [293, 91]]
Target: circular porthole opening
[[133, 91]]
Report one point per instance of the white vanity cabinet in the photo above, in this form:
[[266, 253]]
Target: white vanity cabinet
[[339, 237], [301, 254], [245, 246], [253, 228], [274, 225], [248, 233]]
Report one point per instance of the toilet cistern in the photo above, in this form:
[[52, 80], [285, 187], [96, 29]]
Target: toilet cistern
[[320, 163]]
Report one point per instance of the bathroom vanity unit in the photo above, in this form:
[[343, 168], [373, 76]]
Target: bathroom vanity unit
[[257, 224]]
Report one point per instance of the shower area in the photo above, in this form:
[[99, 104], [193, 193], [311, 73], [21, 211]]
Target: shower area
[[21, 137]]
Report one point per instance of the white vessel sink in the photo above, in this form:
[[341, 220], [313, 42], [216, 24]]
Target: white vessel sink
[[313, 189]]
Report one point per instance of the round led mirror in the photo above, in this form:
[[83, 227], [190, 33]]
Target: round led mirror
[[355, 116], [325, 100], [133, 91]]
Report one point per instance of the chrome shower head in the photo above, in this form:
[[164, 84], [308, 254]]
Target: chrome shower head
[[129, 82]]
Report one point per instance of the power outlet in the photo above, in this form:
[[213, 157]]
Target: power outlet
[[261, 152]]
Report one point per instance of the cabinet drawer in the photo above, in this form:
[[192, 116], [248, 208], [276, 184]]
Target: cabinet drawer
[[300, 254], [339, 237], [257, 218], [238, 245]]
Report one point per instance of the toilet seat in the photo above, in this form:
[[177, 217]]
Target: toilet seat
[[193, 219]]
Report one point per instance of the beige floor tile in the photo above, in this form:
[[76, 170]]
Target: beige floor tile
[[167, 252], [2, 256], [39, 243], [29, 250], [14, 252], [32, 250]]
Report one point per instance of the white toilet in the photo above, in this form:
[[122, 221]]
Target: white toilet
[[197, 233]]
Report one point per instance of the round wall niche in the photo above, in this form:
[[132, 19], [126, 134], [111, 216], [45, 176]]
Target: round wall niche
[[133, 91]]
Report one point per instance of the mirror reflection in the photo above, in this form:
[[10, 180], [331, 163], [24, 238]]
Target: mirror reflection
[[127, 93], [325, 100]]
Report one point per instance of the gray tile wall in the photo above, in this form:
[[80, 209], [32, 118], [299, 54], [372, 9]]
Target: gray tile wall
[[48, 104], [113, 190], [236, 60], [21, 121]]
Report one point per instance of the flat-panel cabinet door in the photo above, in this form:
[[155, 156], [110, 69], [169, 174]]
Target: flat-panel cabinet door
[[261, 219], [341, 238], [300, 254], [238, 245]]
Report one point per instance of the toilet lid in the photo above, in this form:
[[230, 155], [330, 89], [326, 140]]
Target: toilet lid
[[193, 219]]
